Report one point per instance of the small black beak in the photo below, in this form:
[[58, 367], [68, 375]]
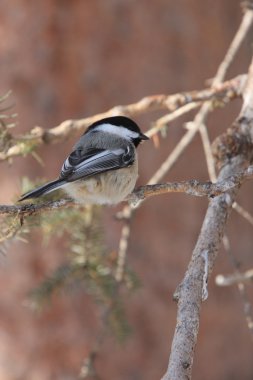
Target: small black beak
[[144, 137]]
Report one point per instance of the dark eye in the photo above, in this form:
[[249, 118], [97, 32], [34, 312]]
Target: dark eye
[[136, 141]]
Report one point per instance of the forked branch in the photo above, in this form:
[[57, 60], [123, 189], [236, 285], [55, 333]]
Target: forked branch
[[190, 292]]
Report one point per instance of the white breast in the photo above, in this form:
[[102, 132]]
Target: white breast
[[108, 188]]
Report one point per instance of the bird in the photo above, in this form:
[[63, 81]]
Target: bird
[[103, 166]]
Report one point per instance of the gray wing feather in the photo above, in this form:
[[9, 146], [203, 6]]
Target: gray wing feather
[[83, 165]]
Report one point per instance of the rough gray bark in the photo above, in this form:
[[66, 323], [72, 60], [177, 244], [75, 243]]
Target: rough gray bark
[[234, 151]]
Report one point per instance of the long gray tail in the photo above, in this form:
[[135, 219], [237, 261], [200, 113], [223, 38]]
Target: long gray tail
[[44, 189]]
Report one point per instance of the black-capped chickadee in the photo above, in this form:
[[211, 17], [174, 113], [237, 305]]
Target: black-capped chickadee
[[103, 167]]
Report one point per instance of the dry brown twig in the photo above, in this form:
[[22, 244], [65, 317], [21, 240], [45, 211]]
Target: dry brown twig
[[38, 135], [240, 280], [244, 213], [234, 278]]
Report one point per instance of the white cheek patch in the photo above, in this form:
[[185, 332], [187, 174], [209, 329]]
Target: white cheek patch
[[120, 131]]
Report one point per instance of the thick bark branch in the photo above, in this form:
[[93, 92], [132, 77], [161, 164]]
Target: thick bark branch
[[190, 292]]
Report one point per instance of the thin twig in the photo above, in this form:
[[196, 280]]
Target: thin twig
[[123, 246], [244, 213], [187, 137], [38, 135], [163, 121], [239, 279], [208, 152], [243, 30], [235, 278], [34, 208]]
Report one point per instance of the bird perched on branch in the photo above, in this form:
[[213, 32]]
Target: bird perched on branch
[[103, 167]]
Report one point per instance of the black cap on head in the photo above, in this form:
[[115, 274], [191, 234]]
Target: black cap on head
[[121, 121]]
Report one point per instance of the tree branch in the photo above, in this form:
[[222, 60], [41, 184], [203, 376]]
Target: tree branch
[[35, 208], [191, 187], [224, 92], [189, 293], [234, 278]]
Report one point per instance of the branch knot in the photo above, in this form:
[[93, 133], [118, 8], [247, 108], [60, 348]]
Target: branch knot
[[233, 143]]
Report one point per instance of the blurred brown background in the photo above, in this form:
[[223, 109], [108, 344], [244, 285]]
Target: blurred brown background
[[68, 59]]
